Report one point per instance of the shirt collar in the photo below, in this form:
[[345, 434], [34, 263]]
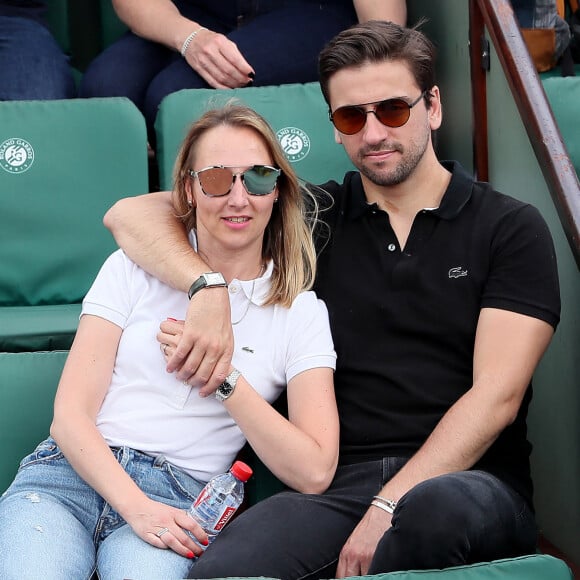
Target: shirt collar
[[456, 195], [256, 292]]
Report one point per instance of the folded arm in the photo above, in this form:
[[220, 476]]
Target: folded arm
[[508, 347], [147, 230]]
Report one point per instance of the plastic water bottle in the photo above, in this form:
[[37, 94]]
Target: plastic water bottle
[[219, 500]]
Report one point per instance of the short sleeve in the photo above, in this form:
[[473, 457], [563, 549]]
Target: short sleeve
[[309, 341], [523, 275]]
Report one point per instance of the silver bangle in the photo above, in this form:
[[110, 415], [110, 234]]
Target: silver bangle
[[387, 505], [188, 40]]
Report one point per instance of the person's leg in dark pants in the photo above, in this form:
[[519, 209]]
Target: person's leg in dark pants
[[33, 64], [293, 535], [455, 519]]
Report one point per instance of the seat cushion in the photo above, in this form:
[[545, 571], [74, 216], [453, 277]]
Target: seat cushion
[[28, 383], [34, 328], [533, 567]]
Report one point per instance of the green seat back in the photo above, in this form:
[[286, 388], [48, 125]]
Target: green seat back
[[58, 22], [296, 112], [112, 27], [62, 165], [532, 567], [564, 97], [28, 384]]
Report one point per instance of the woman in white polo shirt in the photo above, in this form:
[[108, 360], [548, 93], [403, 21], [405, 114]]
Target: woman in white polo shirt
[[131, 446]]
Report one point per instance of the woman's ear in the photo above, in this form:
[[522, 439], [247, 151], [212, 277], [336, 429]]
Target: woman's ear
[[189, 193]]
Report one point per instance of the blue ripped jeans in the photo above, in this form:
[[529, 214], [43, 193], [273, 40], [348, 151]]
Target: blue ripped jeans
[[55, 526]]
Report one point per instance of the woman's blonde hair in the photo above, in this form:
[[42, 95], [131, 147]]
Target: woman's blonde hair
[[288, 235]]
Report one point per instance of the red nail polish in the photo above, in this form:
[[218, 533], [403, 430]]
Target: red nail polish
[[205, 542], [190, 555], [174, 319]]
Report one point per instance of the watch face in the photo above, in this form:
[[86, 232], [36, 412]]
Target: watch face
[[214, 279], [225, 388], [228, 386]]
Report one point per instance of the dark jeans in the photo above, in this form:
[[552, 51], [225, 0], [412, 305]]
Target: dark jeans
[[282, 46], [33, 65], [449, 520]]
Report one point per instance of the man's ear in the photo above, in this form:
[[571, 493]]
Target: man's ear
[[435, 110], [337, 137]]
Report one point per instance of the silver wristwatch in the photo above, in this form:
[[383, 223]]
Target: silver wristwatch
[[207, 280], [226, 389]]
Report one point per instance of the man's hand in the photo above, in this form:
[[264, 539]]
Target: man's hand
[[218, 61], [359, 549], [201, 347]]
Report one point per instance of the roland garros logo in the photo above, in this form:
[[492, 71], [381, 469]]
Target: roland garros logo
[[295, 143], [16, 155]]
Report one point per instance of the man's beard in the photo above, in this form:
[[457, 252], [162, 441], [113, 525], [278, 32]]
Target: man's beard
[[409, 161]]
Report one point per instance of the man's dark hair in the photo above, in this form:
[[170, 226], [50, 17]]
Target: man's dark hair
[[376, 41]]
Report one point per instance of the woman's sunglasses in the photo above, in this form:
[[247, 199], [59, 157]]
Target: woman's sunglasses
[[218, 180], [391, 113]]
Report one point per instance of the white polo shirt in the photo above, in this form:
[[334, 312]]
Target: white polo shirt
[[148, 409]]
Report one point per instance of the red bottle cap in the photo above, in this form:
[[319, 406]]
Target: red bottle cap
[[242, 471]]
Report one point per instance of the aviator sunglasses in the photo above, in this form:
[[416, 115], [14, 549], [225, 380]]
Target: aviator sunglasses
[[391, 113], [218, 180]]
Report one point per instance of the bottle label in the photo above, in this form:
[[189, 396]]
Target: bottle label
[[201, 497], [224, 518]]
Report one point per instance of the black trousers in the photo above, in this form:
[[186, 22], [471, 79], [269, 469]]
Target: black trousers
[[454, 519]]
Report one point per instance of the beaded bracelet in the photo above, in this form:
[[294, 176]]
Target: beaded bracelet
[[387, 505], [188, 40]]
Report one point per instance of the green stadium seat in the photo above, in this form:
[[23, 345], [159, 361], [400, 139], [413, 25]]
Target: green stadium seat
[[532, 567], [564, 97], [297, 113], [111, 25], [62, 165], [28, 382]]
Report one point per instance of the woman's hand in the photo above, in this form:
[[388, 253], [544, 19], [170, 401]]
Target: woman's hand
[[201, 348], [164, 527], [218, 60], [169, 336]]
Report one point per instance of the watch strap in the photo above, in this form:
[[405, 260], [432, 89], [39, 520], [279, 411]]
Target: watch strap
[[207, 280]]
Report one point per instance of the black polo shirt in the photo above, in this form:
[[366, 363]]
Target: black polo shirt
[[404, 319]]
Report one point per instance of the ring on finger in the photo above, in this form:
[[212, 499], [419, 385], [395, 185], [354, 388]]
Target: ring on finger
[[164, 347], [161, 532]]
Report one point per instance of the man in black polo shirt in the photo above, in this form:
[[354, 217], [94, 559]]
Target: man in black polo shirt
[[443, 296]]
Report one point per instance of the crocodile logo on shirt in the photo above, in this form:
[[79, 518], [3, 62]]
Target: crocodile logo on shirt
[[457, 272]]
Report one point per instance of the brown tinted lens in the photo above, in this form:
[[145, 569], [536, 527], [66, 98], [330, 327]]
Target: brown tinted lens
[[393, 112], [349, 120], [215, 180]]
